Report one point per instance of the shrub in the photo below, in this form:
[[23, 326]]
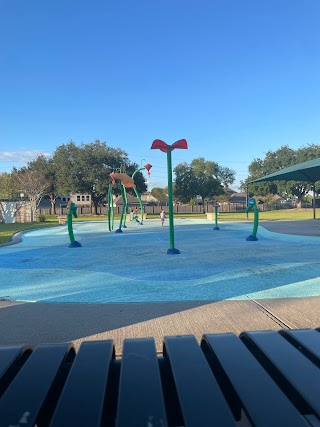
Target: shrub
[[41, 218]]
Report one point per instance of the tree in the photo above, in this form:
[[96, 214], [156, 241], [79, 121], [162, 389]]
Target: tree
[[226, 175], [139, 179], [47, 168], [161, 194], [86, 169], [200, 178], [65, 160], [34, 185], [8, 186], [275, 161]]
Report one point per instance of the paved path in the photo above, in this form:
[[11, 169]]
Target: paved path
[[301, 228], [35, 323]]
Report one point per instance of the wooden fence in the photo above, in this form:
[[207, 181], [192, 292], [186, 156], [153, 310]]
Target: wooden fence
[[207, 208]]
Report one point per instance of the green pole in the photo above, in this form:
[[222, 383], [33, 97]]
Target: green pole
[[216, 218], [172, 249], [125, 200], [252, 205], [255, 221], [119, 230], [137, 194], [72, 210], [70, 228]]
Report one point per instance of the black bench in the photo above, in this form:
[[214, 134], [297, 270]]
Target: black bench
[[260, 378]]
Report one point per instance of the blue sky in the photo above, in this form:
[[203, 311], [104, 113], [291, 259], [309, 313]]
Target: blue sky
[[235, 78]]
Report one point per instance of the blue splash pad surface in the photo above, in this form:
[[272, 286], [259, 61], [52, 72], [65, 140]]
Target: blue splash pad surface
[[134, 267]]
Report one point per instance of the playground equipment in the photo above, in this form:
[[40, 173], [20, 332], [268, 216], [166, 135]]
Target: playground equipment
[[72, 211], [165, 148], [110, 208], [253, 205], [216, 206], [125, 182], [148, 167]]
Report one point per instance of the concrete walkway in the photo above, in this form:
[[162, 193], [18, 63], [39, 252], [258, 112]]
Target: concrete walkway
[[302, 228], [34, 323]]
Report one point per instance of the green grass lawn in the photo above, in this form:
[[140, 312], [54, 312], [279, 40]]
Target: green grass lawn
[[8, 230], [283, 214], [276, 215]]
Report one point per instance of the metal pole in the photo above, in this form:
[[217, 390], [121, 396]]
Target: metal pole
[[216, 218], [172, 249], [247, 198], [314, 201]]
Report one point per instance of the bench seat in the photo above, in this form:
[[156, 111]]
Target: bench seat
[[263, 378]]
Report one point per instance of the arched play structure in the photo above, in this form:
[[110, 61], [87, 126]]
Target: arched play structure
[[125, 181]]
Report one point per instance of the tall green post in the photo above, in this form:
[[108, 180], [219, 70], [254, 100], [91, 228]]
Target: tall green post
[[253, 205], [165, 148], [216, 217], [72, 211], [172, 249]]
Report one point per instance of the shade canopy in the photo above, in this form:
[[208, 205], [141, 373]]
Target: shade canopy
[[306, 171]]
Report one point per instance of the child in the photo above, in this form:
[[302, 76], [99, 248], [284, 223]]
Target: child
[[162, 216], [131, 215]]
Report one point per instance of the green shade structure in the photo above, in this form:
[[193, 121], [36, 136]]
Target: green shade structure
[[158, 144], [305, 171]]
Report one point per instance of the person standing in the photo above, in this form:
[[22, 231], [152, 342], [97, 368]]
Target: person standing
[[131, 215], [162, 217]]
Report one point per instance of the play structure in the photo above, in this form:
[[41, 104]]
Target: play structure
[[72, 211], [253, 205], [158, 144], [125, 181], [147, 167]]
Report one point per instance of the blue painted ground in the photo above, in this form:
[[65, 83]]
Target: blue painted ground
[[134, 266]]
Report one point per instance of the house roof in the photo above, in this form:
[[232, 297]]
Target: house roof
[[132, 200], [238, 196]]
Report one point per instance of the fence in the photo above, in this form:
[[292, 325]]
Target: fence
[[187, 209]]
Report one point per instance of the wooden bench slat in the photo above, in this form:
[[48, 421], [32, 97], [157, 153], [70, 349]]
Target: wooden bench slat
[[296, 374], [141, 401], [263, 401], [306, 340], [201, 400], [11, 360], [8, 355], [82, 398], [27, 392]]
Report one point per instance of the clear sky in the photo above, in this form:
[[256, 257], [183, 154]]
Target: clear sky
[[235, 78]]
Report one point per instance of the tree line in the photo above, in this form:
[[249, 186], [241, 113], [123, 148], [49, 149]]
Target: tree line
[[72, 168], [273, 161], [86, 169]]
